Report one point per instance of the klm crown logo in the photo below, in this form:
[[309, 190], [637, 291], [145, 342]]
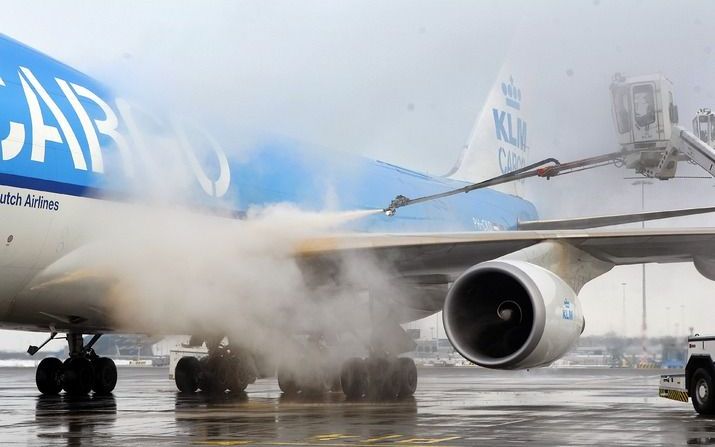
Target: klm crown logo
[[512, 94]]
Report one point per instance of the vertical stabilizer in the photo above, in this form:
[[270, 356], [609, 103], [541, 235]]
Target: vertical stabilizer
[[499, 140]]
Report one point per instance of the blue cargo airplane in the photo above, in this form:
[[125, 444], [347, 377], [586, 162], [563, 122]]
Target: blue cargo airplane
[[77, 160]]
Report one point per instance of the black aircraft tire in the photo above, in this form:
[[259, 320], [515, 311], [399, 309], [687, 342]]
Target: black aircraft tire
[[78, 376], [408, 372], [186, 374], [334, 382], [231, 373], [212, 379], [286, 382], [48, 376], [702, 392], [312, 383], [354, 378], [391, 381], [105, 375]]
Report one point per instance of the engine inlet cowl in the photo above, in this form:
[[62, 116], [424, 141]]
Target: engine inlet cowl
[[511, 314]]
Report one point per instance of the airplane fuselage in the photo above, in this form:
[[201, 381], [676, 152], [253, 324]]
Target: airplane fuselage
[[72, 149]]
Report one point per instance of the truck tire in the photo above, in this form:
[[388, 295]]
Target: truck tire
[[702, 392]]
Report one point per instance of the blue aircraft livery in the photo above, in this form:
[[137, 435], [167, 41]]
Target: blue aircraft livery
[[62, 132]]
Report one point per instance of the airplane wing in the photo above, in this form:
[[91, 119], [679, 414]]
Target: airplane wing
[[423, 265], [613, 219], [451, 254]]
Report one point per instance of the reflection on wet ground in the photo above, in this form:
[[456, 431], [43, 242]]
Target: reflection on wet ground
[[73, 419], [453, 406]]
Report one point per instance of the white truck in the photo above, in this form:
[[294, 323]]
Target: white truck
[[697, 381], [646, 121]]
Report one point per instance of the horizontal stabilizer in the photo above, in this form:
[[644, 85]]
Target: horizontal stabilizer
[[604, 221]]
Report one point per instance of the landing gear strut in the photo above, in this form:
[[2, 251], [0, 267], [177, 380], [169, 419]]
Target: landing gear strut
[[225, 368], [82, 372]]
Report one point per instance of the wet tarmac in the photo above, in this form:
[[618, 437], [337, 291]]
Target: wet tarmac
[[453, 407]]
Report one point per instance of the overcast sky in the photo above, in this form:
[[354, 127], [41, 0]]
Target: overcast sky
[[403, 81]]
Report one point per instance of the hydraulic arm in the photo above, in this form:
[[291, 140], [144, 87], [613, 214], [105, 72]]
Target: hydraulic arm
[[548, 167], [652, 142]]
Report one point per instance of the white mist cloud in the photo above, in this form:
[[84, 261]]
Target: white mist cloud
[[177, 272]]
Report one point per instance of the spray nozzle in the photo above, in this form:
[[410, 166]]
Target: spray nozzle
[[397, 202]]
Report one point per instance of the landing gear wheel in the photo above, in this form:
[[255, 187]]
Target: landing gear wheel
[[231, 374], [48, 376], [376, 370], [187, 374], [286, 382], [207, 375], [702, 391], [78, 376], [408, 376], [105, 375], [353, 378], [334, 382], [380, 384], [312, 383], [389, 379]]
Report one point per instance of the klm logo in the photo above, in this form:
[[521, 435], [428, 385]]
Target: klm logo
[[510, 129], [567, 310]]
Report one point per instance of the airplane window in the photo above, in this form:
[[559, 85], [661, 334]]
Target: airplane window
[[644, 105]]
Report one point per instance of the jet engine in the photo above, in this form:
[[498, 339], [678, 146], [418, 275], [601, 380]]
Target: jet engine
[[511, 315]]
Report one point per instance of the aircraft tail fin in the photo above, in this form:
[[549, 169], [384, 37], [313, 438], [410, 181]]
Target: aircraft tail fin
[[498, 141]]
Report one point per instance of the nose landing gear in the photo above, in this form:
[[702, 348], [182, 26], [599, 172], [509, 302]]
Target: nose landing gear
[[82, 372]]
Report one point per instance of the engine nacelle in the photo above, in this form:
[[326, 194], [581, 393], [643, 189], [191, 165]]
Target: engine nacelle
[[512, 314], [705, 266]]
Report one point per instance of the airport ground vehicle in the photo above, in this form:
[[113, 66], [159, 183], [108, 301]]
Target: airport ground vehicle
[[697, 382]]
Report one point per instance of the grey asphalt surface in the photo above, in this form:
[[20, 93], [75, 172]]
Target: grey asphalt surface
[[452, 407]]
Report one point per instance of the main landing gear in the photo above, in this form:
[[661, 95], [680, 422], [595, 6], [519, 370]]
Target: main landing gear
[[379, 377], [82, 372], [374, 377], [313, 371], [225, 368]]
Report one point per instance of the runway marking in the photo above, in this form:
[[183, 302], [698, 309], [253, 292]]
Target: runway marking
[[423, 441], [382, 438], [333, 437]]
